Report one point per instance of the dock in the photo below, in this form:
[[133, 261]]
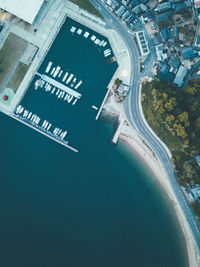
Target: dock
[[117, 133], [60, 86]]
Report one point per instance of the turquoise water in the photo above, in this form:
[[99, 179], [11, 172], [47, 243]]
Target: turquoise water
[[100, 207]]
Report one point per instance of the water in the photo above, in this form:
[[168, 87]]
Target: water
[[99, 207]]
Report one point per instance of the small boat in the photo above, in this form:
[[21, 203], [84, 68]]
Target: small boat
[[53, 70], [48, 67], [78, 84], [69, 79], [18, 109], [66, 97], [74, 102], [49, 126], [70, 99], [56, 71], [65, 76], [73, 82], [60, 73], [53, 90], [72, 30], [29, 115], [79, 31], [57, 91]]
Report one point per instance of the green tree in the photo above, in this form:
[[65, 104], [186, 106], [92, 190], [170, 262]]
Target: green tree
[[170, 118], [197, 123], [183, 117], [170, 105]]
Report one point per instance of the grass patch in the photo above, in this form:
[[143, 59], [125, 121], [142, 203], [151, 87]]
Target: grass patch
[[85, 4], [18, 76], [10, 54]]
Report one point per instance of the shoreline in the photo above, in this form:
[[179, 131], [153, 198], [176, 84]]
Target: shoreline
[[138, 148], [148, 157]]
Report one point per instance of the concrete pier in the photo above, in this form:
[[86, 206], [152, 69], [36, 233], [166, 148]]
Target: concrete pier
[[117, 133], [47, 135]]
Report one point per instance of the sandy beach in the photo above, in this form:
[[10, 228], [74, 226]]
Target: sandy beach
[[147, 155]]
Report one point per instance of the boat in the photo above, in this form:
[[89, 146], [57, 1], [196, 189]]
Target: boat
[[60, 73], [78, 84], [79, 31], [94, 107], [57, 91], [86, 34], [45, 87], [29, 115], [44, 122], [32, 117], [49, 126], [104, 44], [66, 96], [56, 71], [59, 131], [63, 135], [62, 95], [69, 79], [65, 76], [48, 67], [36, 84], [53, 90], [59, 95], [52, 72], [72, 30], [93, 38], [70, 99], [18, 109], [38, 120], [73, 82], [74, 102], [21, 110]]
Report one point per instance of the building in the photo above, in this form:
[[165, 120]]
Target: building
[[187, 52], [142, 43], [160, 52], [164, 7], [193, 193], [25, 10], [165, 34], [120, 11], [180, 75]]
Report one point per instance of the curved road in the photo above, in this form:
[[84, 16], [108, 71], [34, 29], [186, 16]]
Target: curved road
[[133, 113]]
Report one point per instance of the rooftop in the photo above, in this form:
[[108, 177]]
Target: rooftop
[[26, 10]]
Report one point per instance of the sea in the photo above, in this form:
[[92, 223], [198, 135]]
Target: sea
[[100, 207]]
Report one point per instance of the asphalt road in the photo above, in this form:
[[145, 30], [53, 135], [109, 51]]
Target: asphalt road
[[133, 112]]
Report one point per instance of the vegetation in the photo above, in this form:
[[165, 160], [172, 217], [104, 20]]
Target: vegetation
[[174, 115], [85, 4], [118, 82]]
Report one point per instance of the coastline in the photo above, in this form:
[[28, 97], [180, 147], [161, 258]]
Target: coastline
[[138, 147]]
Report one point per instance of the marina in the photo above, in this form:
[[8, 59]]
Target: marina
[[68, 86]]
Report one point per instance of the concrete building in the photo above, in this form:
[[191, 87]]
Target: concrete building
[[25, 10], [164, 7]]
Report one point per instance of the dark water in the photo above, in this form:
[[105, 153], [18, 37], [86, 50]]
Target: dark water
[[97, 208]]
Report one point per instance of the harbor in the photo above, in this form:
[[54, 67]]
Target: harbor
[[65, 84]]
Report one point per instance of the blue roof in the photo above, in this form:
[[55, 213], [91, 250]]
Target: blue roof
[[187, 52]]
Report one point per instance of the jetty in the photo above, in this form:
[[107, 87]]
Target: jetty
[[118, 131]]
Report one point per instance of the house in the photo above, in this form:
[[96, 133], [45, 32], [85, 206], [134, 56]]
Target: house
[[167, 77], [134, 3], [195, 192], [180, 75], [187, 52], [174, 32], [136, 9], [164, 7], [160, 52], [161, 18], [180, 7], [123, 89], [120, 11], [165, 34], [174, 64]]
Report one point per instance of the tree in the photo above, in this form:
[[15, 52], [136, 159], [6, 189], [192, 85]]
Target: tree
[[164, 95], [180, 130], [190, 90], [197, 123], [183, 117], [170, 118], [170, 104], [118, 82]]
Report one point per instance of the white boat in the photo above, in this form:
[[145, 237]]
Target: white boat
[[37, 120], [57, 91], [21, 110], [18, 109], [79, 31], [65, 76], [104, 44], [48, 67], [86, 34], [29, 115], [63, 93], [63, 135], [53, 90], [97, 41], [101, 42], [52, 72], [107, 54], [73, 82], [72, 29], [70, 99], [69, 79], [78, 84], [44, 122], [94, 107], [36, 84], [49, 126], [32, 117], [93, 38], [66, 97], [59, 131], [74, 102], [45, 87], [60, 73], [59, 95], [56, 71]]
